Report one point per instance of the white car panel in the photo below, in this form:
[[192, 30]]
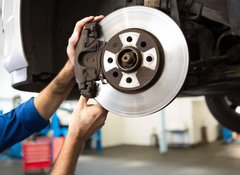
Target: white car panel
[[13, 48]]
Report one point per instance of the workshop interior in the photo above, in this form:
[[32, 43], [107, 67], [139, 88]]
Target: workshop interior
[[168, 72]]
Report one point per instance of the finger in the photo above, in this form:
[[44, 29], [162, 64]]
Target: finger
[[104, 118], [99, 123], [102, 108], [79, 25], [100, 127], [70, 48], [98, 18], [77, 30], [83, 101], [75, 35], [73, 39], [102, 123]]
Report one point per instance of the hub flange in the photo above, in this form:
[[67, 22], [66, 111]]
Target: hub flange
[[135, 64]]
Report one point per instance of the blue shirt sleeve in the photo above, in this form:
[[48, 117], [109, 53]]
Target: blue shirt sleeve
[[20, 123]]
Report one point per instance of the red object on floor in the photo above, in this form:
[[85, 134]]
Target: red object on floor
[[36, 155], [57, 146], [44, 139]]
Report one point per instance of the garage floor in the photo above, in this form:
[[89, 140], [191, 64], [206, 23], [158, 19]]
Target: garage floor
[[213, 159]]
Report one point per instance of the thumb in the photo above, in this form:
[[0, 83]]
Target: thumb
[[83, 101]]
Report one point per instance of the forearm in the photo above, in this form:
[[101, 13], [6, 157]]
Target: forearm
[[51, 97], [67, 159]]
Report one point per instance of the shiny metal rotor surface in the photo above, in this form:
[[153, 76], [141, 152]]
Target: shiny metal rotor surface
[[174, 70]]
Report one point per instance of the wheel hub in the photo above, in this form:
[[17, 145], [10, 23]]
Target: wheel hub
[[129, 59], [135, 63]]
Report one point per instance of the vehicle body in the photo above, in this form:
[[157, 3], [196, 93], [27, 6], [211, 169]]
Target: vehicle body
[[36, 35]]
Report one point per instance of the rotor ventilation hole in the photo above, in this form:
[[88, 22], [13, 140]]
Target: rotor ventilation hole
[[143, 44], [115, 74], [129, 39], [129, 80], [110, 60]]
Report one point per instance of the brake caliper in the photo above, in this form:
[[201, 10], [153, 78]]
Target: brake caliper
[[87, 64]]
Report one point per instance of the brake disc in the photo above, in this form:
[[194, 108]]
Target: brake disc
[[145, 61]]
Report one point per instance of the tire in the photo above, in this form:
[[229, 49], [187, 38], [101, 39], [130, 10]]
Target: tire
[[224, 110]]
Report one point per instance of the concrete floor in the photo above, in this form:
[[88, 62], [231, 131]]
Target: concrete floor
[[213, 159]]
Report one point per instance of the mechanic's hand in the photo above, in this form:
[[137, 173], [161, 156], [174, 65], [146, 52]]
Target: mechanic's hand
[[72, 42], [86, 120]]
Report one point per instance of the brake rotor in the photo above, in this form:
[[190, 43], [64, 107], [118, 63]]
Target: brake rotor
[[145, 61]]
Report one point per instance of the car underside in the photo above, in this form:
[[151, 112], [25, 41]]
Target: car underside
[[211, 29]]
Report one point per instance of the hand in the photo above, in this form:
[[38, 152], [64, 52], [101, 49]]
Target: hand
[[72, 42], [87, 119]]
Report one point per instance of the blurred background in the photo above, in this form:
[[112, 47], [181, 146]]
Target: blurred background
[[184, 138]]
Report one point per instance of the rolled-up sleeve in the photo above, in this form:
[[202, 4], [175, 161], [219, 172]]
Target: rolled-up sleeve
[[20, 123]]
